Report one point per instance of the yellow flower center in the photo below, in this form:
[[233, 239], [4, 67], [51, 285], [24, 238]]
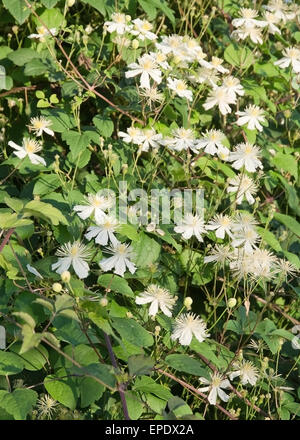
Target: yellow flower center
[[147, 65], [74, 250], [122, 249], [180, 86], [30, 147]]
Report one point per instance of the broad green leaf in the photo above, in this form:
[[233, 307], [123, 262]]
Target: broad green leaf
[[37, 208], [140, 365], [115, 284], [52, 18], [46, 184], [290, 222], [269, 238], [97, 4], [18, 9], [49, 3], [23, 56], [104, 125], [146, 250], [146, 384], [133, 332], [18, 403], [61, 121], [90, 391], [238, 56], [63, 390], [287, 163], [185, 363], [33, 359], [134, 405], [10, 363]]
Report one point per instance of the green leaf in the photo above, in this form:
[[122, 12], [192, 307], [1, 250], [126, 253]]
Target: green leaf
[[49, 3], [104, 125], [146, 384], [132, 332], [33, 359], [10, 363], [8, 221], [63, 390], [134, 405], [185, 363], [61, 121], [15, 204], [35, 67], [269, 238], [97, 4], [129, 231], [146, 250], [46, 184], [77, 142], [116, 284], [90, 391], [287, 163], [289, 222], [18, 403], [45, 210], [140, 365], [22, 56], [52, 18], [18, 9], [238, 56]]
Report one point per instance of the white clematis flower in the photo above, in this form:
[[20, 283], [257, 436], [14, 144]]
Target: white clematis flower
[[188, 325], [146, 67], [104, 231], [120, 260], [215, 387], [29, 148], [191, 225], [159, 298], [73, 254], [96, 204]]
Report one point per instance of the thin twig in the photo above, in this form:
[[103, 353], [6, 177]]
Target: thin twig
[[121, 386], [277, 309]]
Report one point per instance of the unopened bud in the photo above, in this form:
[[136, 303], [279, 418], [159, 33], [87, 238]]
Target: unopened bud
[[103, 302], [135, 44], [231, 303], [157, 330], [57, 287], [188, 302], [66, 276], [129, 315], [70, 3]]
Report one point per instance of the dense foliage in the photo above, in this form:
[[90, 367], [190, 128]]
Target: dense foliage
[[103, 103]]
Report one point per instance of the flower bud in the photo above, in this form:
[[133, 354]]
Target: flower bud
[[103, 302], [135, 44], [57, 287], [188, 302], [231, 303], [129, 315], [70, 3], [157, 330], [66, 276]]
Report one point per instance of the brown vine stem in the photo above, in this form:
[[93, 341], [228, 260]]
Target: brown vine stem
[[121, 386], [194, 390], [277, 309], [85, 84], [6, 238]]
